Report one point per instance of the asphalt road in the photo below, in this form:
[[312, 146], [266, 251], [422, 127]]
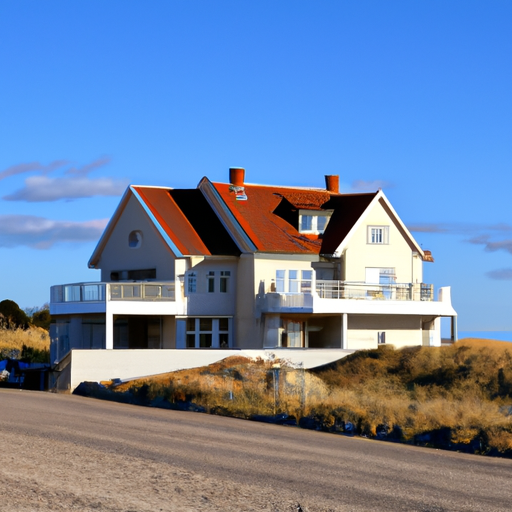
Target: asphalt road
[[73, 453]]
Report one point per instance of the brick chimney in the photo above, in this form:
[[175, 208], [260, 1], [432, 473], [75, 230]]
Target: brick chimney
[[237, 176], [332, 183]]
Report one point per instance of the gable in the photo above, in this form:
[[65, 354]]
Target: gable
[[380, 205], [121, 259]]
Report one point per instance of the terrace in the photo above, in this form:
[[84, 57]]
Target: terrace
[[94, 297], [355, 297]]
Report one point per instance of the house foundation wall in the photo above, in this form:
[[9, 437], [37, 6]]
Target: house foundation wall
[[105, 365]]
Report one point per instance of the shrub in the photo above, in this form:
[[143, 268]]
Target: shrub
[[12, 316]]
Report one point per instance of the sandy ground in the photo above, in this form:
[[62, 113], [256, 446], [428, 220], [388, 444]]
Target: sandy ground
[[38, 475], [71, 453]]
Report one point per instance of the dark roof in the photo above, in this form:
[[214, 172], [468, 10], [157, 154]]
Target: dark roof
[[172, 220], [348, 208], [188, 220], [204, 221], [270, 216]]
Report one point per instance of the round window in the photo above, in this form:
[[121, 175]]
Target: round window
[[135, 239]]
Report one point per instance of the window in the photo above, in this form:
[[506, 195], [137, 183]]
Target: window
[[135, 239], [210, 279], [321, 223], [224, 280], [381, 338], [378, 235], [305, 284], [292, 333], [280, 275], [293, 281], [376, 275], [207, 332], [144, 274], [191, 282], [313, 222], [223, 333], [306, 223]]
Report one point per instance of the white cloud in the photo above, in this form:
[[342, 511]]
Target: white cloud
[[74, 184], [30, 167], [490, 246], [86, 169], [479, 232], [43, 188], [370, 186], [42, 233], [502, 274]]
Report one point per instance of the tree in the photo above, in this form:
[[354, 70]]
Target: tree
[[13, 316], [42, 318]]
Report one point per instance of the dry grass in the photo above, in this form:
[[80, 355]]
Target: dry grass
[[12, 340], [465, 388]]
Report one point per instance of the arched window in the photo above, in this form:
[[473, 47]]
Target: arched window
[[135, 239]]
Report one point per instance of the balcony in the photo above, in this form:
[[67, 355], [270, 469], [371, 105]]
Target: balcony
[[335, 297], [96, 297], [390, 291], [97, 292]]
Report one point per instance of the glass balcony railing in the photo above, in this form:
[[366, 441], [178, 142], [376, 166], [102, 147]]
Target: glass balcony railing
[[100, 292]]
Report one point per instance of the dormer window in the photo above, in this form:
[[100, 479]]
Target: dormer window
[[313, 222]]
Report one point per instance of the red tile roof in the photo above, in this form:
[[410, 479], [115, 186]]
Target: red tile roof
[[269, 217], [172, 220], [273, 225], [188, 220]]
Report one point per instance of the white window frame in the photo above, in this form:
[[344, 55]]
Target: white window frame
[[210, 281], [225, 276], [215, 332], [306, 281], [293, 280], [280, 281], [191, 282], [378, 235], [314, 215]]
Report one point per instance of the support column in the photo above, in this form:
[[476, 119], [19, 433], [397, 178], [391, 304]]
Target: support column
[[109, 328], [454, 335], [344, 335]]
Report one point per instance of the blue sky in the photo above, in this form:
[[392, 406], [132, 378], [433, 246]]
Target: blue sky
[[410, 96]]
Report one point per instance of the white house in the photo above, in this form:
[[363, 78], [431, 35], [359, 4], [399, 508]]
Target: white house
[[243, 266]]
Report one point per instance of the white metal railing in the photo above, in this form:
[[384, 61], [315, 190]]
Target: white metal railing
[[100, 292], [391, 291]]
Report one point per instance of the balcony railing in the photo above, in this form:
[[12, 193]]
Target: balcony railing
[[391, 291], [100, 292]]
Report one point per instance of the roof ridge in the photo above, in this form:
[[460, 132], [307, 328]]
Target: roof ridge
[[314, 189]]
